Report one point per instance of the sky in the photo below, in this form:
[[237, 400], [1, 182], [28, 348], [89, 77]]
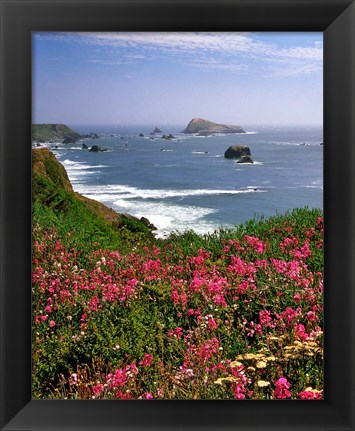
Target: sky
[[169, 78]]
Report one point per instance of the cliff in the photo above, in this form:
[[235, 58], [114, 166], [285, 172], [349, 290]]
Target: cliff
[[206, 127], [51, 188], [53, 132]]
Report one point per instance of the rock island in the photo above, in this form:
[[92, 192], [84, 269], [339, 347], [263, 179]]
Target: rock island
[[205, 127]]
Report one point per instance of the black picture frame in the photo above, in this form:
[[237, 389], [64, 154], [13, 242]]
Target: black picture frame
[[18, 19]]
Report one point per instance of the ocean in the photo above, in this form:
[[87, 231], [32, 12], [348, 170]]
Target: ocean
[[186, 183]]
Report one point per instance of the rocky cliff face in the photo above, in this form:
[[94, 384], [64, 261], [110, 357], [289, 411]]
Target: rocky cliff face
[[206, 127]]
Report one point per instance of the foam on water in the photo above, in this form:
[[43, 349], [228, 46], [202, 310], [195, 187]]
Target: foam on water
[[130, 192], [70, 165], [169, 217]]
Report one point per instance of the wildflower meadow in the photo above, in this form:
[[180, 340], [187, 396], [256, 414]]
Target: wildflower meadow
[[237, 314]]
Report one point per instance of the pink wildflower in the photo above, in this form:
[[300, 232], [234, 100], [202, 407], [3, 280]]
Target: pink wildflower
[[311, 315], [94, 303], [264, 318], [297, 298], [281, 390], [98, 389], [256, 244], [300, 332], [211, 323], [147, 361], [73, 379], [176, 333], [311, 394]]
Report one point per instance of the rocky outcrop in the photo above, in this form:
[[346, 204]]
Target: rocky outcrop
[[245, 159], [91, 135], [96, 149], [69, 140], [85, 147], [168, 137], [240, 152], [143, 220], [205, 128], [157, 130], [237, 152]]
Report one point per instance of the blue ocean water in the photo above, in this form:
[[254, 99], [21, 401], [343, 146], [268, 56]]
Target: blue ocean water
[[186, 183]]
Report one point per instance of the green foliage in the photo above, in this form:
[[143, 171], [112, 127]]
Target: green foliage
[[48, 132], [135, 226]]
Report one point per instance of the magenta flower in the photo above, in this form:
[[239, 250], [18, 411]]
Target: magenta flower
[[311, 394], [147, 360], [98, 389], [52, 323], [281, 390]]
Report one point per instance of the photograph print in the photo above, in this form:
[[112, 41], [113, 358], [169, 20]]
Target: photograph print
[[177, 216]]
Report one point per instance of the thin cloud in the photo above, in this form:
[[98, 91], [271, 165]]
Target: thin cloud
[[226, 51]]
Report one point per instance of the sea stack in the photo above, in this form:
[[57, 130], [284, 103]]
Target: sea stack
[[205, 128], [240, 152]]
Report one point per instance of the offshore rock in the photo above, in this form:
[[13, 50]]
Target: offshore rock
[[69, 140], [205, 128], [96, 149], [237, 152], [245, 159], [168, 137]]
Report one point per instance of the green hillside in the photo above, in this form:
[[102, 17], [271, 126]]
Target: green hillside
[[52, 132]]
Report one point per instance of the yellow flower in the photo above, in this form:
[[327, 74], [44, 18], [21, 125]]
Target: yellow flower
[[263, 383], [235, 364]]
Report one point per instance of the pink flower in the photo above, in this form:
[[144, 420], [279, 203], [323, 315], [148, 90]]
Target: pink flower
[[311, 394], [148, 396], [49, 308], [94, 303], [73, 379], [311, 315], [211, 323], [52, 323], [297, 298], [147, 360], [300, 332], [98, 389], [281, 390], [264, 318], [176, 333], [256, 243]]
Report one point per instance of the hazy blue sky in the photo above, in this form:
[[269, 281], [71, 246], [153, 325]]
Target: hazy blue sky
[[169, 78]]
